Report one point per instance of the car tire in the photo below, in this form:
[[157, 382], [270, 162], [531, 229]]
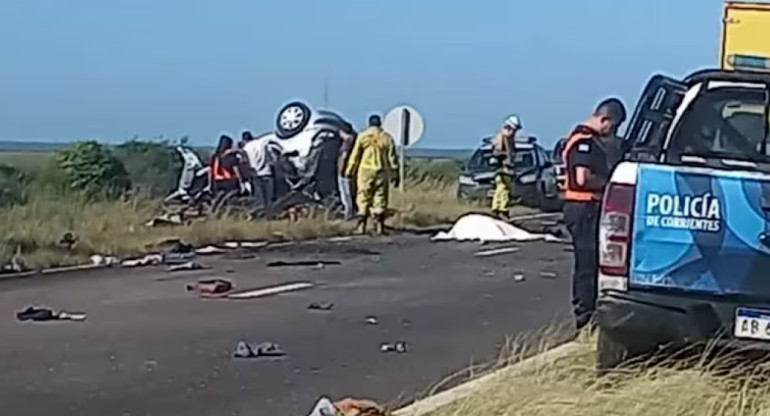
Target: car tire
[[610, 351], [292, 119]]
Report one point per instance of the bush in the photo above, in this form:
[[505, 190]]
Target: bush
[[152, 166], [12, 186], [91, 170]]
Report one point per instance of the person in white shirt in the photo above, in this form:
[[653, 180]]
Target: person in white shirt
[[262, 154]]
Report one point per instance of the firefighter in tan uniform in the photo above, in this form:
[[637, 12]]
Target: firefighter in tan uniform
[[502, 155], [373, 161]]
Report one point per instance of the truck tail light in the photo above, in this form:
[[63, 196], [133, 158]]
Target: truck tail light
[[615, 236]]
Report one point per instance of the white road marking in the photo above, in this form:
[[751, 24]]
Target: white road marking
[[496, 251], [267, 291]]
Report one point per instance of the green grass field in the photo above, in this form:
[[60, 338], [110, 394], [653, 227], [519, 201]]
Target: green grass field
[[26, 161]]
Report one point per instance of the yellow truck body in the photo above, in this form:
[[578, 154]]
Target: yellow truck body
[[745, 32]]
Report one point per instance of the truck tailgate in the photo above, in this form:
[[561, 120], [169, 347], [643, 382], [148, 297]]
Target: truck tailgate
[[701, 230]]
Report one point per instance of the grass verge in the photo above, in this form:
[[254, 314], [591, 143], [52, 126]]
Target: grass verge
[[720, 386], [31, 232]]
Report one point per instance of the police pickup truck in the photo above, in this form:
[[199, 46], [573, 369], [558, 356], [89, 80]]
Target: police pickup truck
[[684, 238]]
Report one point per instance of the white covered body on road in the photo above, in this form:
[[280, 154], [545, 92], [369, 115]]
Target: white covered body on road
[[478, 227]]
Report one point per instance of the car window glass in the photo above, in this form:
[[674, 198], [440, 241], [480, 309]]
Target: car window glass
[[724, 123], [557, 151], [524, 159], [542, 157], [480, 160]]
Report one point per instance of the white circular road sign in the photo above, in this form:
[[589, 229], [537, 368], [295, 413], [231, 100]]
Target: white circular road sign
[[405, 124]]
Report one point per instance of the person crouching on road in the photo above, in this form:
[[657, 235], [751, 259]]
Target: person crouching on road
[[373, 158], [588, 171], [502, 153], [348, 136], [224, 172]]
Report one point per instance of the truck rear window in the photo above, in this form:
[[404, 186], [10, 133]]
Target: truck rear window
[[725, 123]]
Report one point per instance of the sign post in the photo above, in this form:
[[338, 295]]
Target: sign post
[[406, 126]]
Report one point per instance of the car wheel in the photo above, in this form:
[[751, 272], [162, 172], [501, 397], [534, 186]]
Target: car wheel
[[610, 352], [292, 118]]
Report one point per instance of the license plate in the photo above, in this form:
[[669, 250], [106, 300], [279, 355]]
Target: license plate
[[752, 323]]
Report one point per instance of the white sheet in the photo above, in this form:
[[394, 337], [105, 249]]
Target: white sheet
[[477, 227]]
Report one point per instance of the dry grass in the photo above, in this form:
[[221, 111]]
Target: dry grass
[[720, 386], [117, 228]]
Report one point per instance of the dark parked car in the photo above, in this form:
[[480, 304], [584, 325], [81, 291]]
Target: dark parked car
[[534, 179]]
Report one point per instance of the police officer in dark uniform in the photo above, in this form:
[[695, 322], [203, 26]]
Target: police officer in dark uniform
[[590, 159]]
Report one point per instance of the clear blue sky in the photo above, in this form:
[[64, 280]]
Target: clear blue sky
[[110, 69]]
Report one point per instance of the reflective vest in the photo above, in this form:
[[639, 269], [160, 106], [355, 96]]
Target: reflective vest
[[570, 192], [219, 172]]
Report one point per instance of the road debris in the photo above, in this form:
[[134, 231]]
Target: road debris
[[148, 260], [266, 349], [190, 265], [210, 250], [324, 407], [477, 227], [518, 277], [42, 314], [496, 251], [371, 320], [316, 263], [246, 244], [320, 306], [100, 260], [211, 287], [347, 407], [398, 347], [548, 274], [177, 258]]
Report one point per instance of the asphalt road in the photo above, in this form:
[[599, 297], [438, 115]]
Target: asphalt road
[[149, 347]]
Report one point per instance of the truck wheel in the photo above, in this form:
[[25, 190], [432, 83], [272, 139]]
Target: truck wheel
[[610, 352]]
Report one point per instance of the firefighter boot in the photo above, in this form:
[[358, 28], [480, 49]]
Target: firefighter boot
[[361, 226], [379, 226]]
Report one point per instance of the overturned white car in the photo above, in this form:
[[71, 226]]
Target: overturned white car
[[310, 143]]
